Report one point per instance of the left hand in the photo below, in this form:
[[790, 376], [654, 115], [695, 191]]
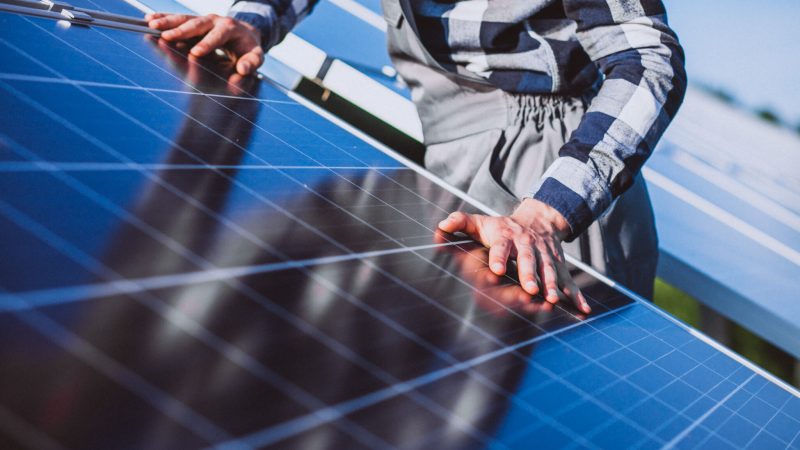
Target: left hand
[[241, 40], [533, 234]]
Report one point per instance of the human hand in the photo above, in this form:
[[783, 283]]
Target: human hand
[[533, 234], [241, 40]]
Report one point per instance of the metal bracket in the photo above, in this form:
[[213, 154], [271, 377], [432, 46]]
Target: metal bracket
[[57, 10]]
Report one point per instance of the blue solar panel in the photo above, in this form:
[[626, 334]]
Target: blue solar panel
[[189, 263]]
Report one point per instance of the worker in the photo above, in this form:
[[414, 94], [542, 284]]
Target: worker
[[543, 110]]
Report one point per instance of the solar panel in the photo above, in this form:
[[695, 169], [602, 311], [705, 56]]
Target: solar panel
[[190, 261]]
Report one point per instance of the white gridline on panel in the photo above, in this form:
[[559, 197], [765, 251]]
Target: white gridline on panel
[[652, 395], [17, 166], [86, 83]]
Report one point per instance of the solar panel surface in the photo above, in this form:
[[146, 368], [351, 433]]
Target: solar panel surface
[[190, 261]]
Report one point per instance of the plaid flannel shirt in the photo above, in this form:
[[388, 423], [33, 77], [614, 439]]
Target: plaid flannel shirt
[[552, 47]]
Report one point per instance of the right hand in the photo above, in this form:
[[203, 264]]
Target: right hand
[[242, 40], [532, 234]]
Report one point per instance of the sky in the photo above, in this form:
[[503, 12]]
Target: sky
[[748, 48]]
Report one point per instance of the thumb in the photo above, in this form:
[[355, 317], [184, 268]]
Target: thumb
[[459, 221]]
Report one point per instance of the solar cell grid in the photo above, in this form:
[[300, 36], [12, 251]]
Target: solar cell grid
[[250, 275]]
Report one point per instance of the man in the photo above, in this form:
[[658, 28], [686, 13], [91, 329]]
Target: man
[[554, 102]]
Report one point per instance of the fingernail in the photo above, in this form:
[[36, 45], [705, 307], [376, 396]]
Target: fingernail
[[552, 294], [246, 67], [530, 286], [497, 267]]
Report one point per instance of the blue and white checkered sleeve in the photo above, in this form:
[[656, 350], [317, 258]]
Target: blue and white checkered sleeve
[[273, 18], [644, 83]]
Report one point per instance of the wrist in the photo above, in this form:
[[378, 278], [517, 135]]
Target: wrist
[[541, 217]]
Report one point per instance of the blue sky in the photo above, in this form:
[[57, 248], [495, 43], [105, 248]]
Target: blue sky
[[749, 48]]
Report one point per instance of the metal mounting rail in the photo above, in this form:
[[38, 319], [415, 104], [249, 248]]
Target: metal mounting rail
[[76, 15]]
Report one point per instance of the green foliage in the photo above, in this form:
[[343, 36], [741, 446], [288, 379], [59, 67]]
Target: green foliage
[[768, 115], [677, 303], [723, 95]]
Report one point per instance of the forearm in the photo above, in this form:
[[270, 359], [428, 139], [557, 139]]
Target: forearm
[[273, 18], [644, 83]]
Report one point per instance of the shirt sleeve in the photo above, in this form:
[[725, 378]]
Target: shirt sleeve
[[643, 86], [273, 18]]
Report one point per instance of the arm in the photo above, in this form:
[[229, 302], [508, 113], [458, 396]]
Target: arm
[[253, 27], [645, 81]]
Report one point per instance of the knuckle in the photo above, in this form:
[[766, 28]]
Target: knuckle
[[227, 23], [507, 232]]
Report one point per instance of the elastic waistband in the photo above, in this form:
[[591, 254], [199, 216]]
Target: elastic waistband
[[538, 109], [459, 115]]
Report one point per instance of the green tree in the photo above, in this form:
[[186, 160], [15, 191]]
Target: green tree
[[768, 115]]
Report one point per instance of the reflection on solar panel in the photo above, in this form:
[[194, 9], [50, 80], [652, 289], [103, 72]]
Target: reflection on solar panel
[[193, 260]]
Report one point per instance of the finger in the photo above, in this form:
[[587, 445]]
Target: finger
[[217, 37], [168, 21], [189, 29], [439, 237], [581, 302], [250, 61], [547, 275], [509, 296], [572, 291], [532, 308], [498, 255], [153, 16], [174, 57], [459, 221], [526, 264]]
